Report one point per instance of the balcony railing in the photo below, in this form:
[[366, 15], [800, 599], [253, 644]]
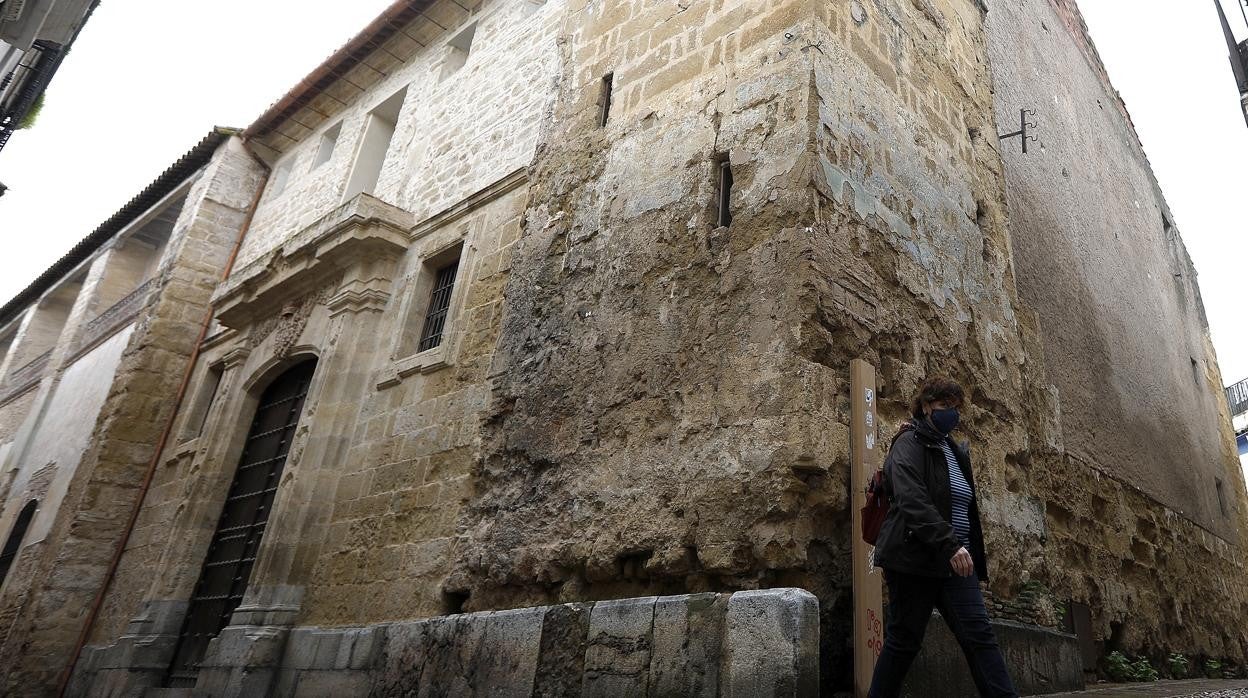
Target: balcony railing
[[1237, 397], [116, 316], [24, 376], [25, 84]]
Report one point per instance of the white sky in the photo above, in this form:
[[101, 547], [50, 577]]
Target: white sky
[[148, 78]]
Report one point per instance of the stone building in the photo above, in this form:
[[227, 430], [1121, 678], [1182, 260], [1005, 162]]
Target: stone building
[[515, 304]]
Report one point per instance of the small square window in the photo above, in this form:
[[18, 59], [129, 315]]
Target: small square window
[[329, 140]]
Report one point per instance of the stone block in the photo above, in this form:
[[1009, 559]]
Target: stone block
[[688, 638], [494, 654], [300, 649], [617, 655], [332, 684], [561, 662], [771, 644], [327, 643]]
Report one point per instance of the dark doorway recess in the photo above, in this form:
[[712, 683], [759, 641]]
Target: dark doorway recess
[[14, 542], [227, 567]]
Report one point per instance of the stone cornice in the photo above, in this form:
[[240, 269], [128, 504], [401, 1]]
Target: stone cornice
[[364, 228]]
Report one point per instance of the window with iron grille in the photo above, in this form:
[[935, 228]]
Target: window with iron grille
[[236, 543], [439, 306]]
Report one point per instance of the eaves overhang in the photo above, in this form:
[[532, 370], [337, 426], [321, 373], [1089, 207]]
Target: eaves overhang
[[169, 180]]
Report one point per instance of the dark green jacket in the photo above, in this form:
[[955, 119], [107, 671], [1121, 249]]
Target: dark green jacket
[[917, 536]]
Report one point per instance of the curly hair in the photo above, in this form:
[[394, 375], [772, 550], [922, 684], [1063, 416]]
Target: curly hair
[[934, 389]]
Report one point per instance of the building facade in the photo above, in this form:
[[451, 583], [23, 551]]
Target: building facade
[[35, 35], [538, 303]]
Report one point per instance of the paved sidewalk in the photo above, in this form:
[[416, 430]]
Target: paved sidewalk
[[1194, 688]]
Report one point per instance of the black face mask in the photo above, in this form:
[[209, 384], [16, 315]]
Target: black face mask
[[945, 421]]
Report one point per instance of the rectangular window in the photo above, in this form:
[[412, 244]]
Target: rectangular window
[[604, 102], [378, 133], [280, 175], [1217, 483], [204, 397], [724, 204], [329, 140], [458, 50], [439, 306]]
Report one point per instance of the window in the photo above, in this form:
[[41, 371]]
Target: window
[[1217, 483], [439, 306], [329, 140], [204, 398], [14, 543], [378, 133], [458, 50], [280, 175], [724, 203], [604, 101]]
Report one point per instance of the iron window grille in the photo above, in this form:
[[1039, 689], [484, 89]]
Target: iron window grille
[[439, 306]]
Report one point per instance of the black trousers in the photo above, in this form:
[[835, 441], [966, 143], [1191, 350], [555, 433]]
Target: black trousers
[[911, 599]]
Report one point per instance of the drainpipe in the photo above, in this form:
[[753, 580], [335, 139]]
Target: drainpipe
[[163, 440]]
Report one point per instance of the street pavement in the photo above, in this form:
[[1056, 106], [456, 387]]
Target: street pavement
[[1194, 688]]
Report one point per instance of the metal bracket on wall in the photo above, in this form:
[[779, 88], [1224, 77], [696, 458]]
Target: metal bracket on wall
[[1024, 126]]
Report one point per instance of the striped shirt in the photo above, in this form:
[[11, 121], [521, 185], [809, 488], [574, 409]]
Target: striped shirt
[[960, 491]]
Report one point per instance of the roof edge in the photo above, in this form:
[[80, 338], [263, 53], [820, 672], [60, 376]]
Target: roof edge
[[173, 176], [387, 24]]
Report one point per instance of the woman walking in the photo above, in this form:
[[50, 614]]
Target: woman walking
[[931, 547]]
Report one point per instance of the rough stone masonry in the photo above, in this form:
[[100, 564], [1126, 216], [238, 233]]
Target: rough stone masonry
[[672, 225]]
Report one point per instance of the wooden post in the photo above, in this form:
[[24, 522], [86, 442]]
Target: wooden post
[[868, 582]]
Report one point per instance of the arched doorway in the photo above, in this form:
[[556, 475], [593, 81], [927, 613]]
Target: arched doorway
[[227, 567], [13, 545]]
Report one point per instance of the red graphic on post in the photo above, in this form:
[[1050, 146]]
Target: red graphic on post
[[875, 632]]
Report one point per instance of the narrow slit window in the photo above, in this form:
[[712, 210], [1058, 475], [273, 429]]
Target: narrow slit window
[[724, 217], [1217, 483], [329, 140], [439, 306], [604, 102]]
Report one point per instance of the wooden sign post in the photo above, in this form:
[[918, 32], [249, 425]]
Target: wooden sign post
[[864, 456]]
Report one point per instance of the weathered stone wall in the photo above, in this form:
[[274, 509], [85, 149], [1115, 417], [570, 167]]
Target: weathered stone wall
[[70, 566], [631, 399], [670, 411], [1118, 496], [456, 133]]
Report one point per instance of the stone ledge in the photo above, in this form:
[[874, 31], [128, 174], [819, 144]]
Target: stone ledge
[[1040, 661], [753, 643], [362, 229]]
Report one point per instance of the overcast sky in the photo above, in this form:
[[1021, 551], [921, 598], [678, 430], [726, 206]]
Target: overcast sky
[[148, 78]]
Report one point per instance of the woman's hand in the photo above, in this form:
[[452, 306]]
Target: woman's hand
[[962, 564]]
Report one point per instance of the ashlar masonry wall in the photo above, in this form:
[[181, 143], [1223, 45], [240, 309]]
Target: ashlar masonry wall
[[68, 569], [457, 131]]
